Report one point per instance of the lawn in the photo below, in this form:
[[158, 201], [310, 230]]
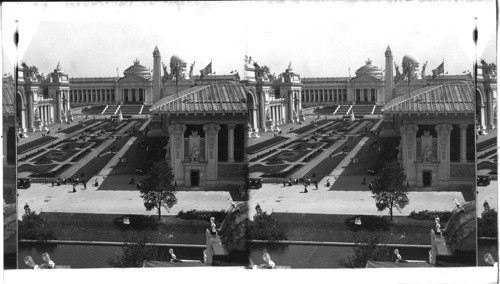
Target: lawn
[[79, 126], [55, 156], [311, 126], [100, 227], [331, 228], [286, 156], [35, 169]]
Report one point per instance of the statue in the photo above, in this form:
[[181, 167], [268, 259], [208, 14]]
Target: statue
[[269, 263], [58, 67], [427, 154], [268, 116], [398, 73], [289, 69], [191, 70], [37, 114], [195, 154], [423, 69]]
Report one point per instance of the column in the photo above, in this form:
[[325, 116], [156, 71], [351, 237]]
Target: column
[[211, 151], [463, 143], [262, 111], [230, 143], [443, 131], [176, 132], [409, 143], [255, 126]]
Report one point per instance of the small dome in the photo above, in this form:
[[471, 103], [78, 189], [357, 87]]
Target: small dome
[[137, 69], [410, 57], [176, 59], [370, 70]]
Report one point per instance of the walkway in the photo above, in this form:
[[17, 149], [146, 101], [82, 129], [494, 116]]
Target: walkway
[[348, 158]]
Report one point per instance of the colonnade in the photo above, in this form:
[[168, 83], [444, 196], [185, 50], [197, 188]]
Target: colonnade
[[365, 95], [92, 96], [133, 95], [324, 95]]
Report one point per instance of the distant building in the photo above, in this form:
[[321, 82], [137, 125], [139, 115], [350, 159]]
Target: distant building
[[41, 100]]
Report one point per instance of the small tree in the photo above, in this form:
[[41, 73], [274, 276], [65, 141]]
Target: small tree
[[158, 187], [389, 188], [264, 227], [135, 252], [367, 248]]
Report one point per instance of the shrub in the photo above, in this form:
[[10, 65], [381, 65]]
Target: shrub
[[202, 215], [34, 227], [367, 248], [444, 216], [136, 251], [487, 225], [369, 223], [264, 227]]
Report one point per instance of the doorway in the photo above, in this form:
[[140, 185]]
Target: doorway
[[195, 178], [427, 178]]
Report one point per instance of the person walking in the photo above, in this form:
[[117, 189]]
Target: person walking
[[84, 184], [305, 189], [74, 188]]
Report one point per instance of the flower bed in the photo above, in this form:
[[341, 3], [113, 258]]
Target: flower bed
[[55, 155], [286, 156], [93, 110], [53, 174], [35, 169], [75, 145], [284, 174], [444, 216], [266, 169], [27, 157], [203, 215], [310, 127], [303, 146], [34, 144], [78, 127], [258, 157], [265, 144], [481, 146]]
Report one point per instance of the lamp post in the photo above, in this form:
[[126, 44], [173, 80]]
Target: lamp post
[[488, 258]]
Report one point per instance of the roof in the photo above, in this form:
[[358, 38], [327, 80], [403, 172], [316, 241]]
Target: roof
[[137, 69], [225, 98], [448, 98], [462, 77], [96, 79], [324, 79], [8, 97], [234, 77]]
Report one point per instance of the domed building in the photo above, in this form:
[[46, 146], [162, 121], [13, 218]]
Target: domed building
[[138, 70], [370, 70]]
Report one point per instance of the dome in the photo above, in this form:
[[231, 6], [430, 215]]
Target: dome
[[137, 69], [176, 59], [369, 69], [410, 57]]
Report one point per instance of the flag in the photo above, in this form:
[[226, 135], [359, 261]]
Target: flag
[[438, 70], [207, 70]]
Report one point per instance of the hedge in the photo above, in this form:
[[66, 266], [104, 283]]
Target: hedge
[[444, 216]]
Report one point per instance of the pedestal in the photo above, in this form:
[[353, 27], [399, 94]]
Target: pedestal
[[255, 135], [38, 125]]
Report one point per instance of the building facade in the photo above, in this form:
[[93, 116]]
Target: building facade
[[206, 128], [41, 100], [436, 125]]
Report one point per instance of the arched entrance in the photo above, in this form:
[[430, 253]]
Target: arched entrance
[[195, 178], [427, 178]]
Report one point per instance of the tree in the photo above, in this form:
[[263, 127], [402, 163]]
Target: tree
[[35, 227], [158, 189], [135, 252], [367, 248], [264, 227], [389, 188]]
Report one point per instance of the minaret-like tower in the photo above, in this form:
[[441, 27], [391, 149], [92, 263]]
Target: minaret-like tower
[[156, 75], [389, 76]]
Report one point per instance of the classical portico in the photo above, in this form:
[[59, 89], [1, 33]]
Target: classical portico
[[437, 137]]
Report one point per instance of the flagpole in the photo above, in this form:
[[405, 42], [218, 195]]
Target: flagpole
[[443, 72]]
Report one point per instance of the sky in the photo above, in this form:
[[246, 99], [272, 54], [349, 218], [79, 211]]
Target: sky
[[320, 39]]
